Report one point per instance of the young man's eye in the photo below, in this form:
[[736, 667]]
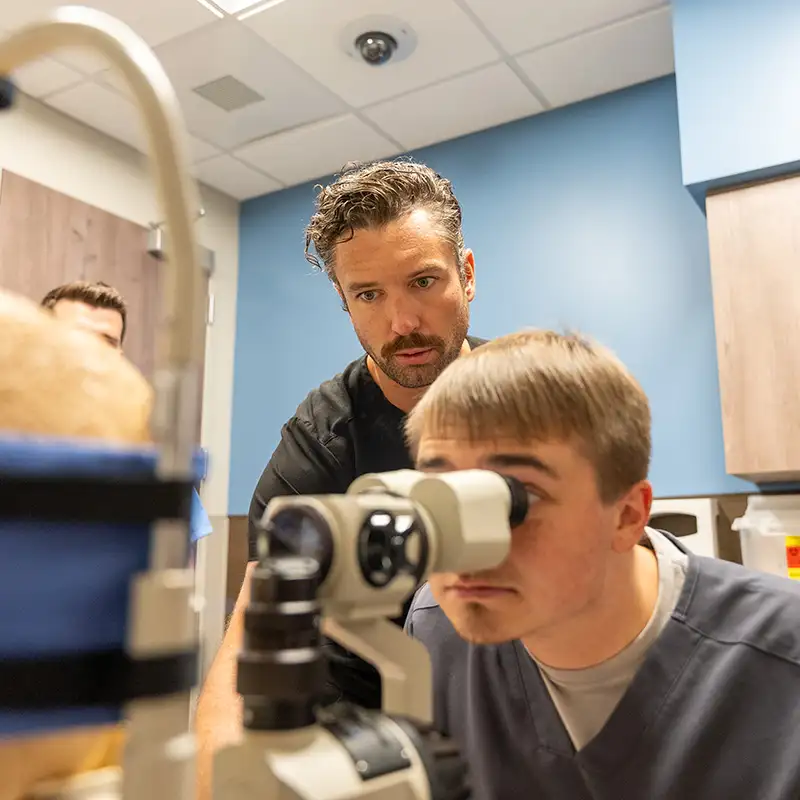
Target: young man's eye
[[367, 297], [534, 496], [425, 282]]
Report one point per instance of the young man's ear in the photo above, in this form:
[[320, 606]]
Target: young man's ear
[[633, 514]]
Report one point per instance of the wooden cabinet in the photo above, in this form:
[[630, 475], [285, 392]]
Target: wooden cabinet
[[48, 238], [754, 241]]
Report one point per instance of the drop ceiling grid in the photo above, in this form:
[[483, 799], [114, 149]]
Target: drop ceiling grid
[[476, 64]]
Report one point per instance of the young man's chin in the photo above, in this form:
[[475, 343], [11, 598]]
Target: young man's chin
[[482, 634], [478, 624]]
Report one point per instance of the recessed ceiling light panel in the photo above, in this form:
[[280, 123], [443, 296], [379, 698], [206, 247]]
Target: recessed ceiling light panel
[[228, 6]]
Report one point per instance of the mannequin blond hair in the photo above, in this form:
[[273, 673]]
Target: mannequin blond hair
[[58, 381]]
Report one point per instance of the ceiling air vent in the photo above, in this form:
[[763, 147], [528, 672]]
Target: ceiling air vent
[[228, 93]]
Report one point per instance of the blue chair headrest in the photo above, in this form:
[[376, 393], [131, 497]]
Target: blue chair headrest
[[64, 586]]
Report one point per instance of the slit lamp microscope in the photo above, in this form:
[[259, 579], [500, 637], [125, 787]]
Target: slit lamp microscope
[[117, 643]]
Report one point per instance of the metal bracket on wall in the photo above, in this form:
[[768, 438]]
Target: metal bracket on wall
[[157, 247]]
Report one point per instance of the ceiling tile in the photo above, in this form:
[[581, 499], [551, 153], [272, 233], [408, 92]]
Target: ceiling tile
[[200, 150], [234, 178], [102, 108], [447, 43], [316, 150], [82, 61], [44, 76], [448, 109], [604, 61], [219, 56], [87, 62], [521, 25], [155, 21]]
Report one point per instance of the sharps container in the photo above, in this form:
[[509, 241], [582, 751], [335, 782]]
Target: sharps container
[[769, 532]]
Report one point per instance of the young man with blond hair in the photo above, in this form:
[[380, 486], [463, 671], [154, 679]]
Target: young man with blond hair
[[600, 660]]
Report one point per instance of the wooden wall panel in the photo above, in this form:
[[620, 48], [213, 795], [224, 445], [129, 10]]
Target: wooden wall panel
[[754, 241], [237, 558], [48, 238]]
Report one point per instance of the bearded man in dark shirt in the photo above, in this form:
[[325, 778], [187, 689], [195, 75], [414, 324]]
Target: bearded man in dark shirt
[[389, 237]]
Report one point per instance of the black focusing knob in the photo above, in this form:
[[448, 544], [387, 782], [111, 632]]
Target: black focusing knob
[[281, 670], [285, 580], [448, 773]]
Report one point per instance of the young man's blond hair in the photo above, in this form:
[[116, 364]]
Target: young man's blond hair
[[599, 657], [538, 386]]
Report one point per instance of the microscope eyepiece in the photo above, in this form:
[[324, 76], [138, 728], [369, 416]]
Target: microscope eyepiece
[[519, 501]]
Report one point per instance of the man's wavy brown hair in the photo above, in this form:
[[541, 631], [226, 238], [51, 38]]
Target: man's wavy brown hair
[[370, 196]]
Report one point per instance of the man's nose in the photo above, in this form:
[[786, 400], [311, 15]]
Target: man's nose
[[405, 317]]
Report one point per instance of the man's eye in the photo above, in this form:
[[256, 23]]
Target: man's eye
[[367, 297], [424, 283]]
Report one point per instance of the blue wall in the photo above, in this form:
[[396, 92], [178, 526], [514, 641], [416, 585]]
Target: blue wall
[[578, 218], [738, 67]]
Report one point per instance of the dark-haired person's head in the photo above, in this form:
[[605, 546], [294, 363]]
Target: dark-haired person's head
[[388, 234], [96, 307]]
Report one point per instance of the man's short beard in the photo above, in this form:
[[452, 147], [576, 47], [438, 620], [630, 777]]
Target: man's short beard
[[417, 377], [422, 375]]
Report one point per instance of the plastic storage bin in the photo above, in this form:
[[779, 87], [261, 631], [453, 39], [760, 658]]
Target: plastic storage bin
[[769, 532]]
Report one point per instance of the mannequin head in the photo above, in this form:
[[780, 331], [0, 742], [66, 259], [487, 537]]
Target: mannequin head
[[57, 380]]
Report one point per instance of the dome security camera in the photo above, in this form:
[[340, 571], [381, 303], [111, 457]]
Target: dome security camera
[[376, 48], [376, 39]]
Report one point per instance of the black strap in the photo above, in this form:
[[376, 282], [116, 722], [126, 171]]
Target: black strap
[[108, 678], [133, 501]]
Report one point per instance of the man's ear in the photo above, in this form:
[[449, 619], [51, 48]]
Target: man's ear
[[341, 296], [469, 274], [633, 513]]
